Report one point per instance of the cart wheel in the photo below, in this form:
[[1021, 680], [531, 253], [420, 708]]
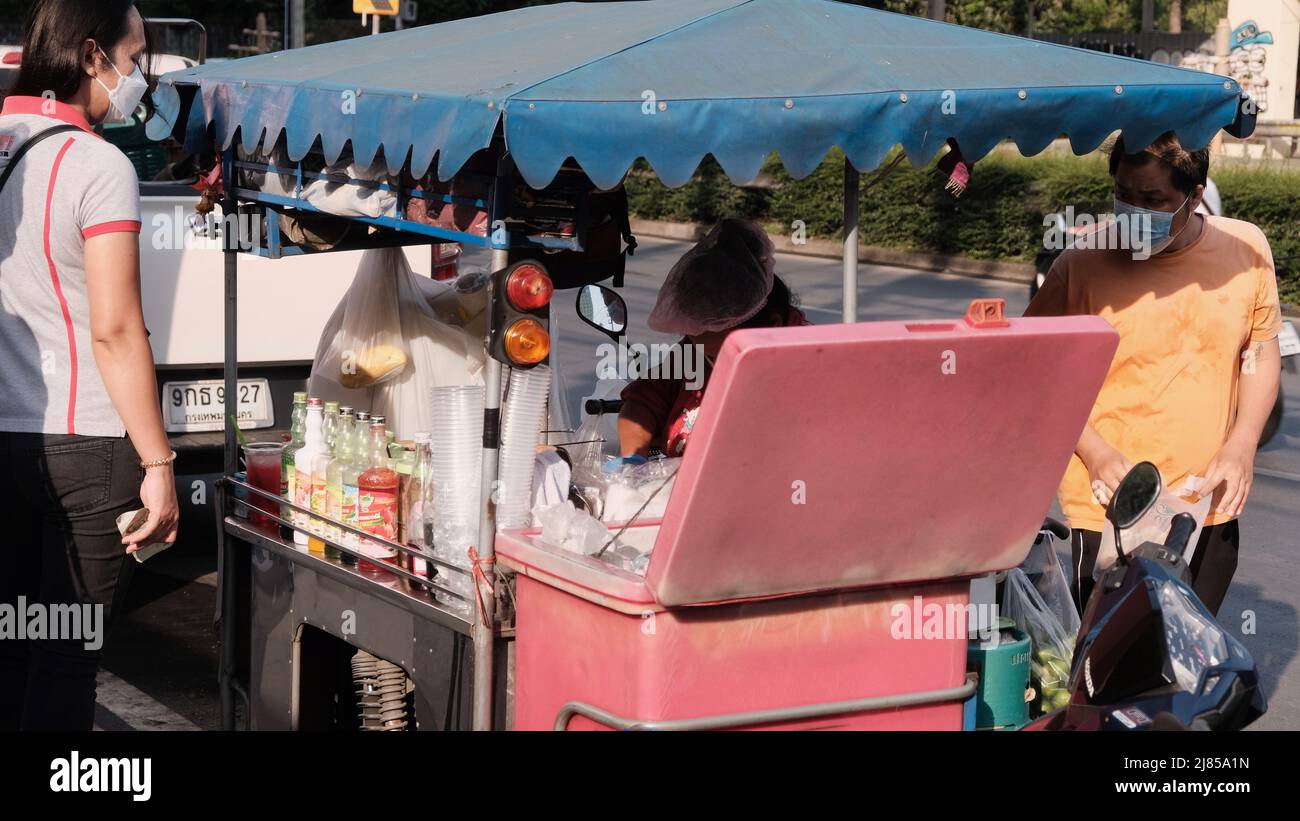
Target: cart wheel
[[385, 694]]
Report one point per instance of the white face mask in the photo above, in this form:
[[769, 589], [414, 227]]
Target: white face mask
[[123, 99]]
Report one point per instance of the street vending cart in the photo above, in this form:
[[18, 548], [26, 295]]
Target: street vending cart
[[803, 578], [522, 98]]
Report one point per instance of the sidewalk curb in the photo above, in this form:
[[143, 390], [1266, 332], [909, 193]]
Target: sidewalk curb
[[963, 266]]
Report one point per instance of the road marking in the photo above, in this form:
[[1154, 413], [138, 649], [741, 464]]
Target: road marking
[[122, 707], [1278, 474]]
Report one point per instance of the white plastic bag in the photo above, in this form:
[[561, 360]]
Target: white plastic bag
[[348, 200], [551, 477], [1155, 523], [1053, 647], [1043, 569], [440, 356], [365, 347], [432, 353]]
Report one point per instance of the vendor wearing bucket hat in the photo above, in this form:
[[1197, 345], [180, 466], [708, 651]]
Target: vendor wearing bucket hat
[[726, 282]]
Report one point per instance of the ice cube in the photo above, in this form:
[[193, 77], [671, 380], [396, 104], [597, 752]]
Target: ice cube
[[590, 535], [641, 563]]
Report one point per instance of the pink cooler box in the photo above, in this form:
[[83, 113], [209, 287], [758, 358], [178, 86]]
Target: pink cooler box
[[842, 484]]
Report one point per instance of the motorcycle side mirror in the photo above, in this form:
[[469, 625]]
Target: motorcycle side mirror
[[1134, 496], [603, 309]]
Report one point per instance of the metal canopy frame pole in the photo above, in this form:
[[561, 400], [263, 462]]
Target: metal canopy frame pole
[[228, 551], [230, 245], [850, 257], [483, 617]]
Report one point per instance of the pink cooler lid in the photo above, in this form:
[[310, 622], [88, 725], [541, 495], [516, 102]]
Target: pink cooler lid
[[841, 456]]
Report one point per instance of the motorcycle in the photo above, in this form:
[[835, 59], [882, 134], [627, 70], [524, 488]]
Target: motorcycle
[[1150, 655]]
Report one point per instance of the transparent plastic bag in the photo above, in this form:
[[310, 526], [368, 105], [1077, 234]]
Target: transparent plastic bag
[[1043, 569], [363, 345], [432, 353], [566, 527], [595, 441], [589, 453], [440, 356], [1155, 524], [639, 491], [1053, 646], [325, 383]]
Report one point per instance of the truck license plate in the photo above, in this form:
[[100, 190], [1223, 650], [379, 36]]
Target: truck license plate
[[200, 405]]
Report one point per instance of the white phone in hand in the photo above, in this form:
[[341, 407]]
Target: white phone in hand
[[129, 523]]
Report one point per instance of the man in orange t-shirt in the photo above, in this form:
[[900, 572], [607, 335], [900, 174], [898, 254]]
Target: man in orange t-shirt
[[1198, 365]]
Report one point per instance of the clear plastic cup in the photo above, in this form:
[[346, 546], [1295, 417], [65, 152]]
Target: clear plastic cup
[[262, 463], [522, 422]]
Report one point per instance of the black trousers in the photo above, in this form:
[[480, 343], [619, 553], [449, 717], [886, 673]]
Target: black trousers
[[60, 497], [1213, 564]]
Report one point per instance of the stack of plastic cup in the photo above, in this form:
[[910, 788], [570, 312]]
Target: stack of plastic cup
[[457, 443], [521, 425]]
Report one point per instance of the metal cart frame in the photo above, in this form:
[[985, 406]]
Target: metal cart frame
[[292, 588]]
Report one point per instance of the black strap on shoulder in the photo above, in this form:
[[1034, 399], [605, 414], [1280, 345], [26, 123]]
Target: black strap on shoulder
[[29, 145]]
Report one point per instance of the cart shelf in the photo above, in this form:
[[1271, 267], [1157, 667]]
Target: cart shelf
[[398, 586], [418, 602], [399, 229]]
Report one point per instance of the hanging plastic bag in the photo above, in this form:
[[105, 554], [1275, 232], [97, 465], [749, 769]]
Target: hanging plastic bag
[[1053, 646], [439, 356], [324, 383], [366, 348], [593, 442], [357, 360], [585, 453], [1043, 569], [1155, 524]]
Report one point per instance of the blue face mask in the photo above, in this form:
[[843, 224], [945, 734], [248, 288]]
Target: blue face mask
[[1149, 230]]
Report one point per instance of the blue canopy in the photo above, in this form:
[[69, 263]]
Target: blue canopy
[[674, 80]]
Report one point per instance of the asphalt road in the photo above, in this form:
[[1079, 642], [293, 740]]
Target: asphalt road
[[161, 664]]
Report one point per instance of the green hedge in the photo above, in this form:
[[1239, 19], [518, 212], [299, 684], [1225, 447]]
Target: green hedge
[[1000, 216]]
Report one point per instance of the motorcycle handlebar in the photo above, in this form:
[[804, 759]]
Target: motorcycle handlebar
[[1180, 531], [595, 407]]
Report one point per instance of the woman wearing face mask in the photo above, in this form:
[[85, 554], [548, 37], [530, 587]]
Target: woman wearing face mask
[[81, 431], [725, 283]]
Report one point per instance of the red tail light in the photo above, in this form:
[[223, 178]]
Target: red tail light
[[529, 288]]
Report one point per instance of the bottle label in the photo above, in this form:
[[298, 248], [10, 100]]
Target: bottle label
[[334, 502], [318, 494], [377, 514], [348, 512], [287, 475], [302, 489]]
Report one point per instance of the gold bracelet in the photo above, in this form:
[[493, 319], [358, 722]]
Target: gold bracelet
[[157, 463]]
